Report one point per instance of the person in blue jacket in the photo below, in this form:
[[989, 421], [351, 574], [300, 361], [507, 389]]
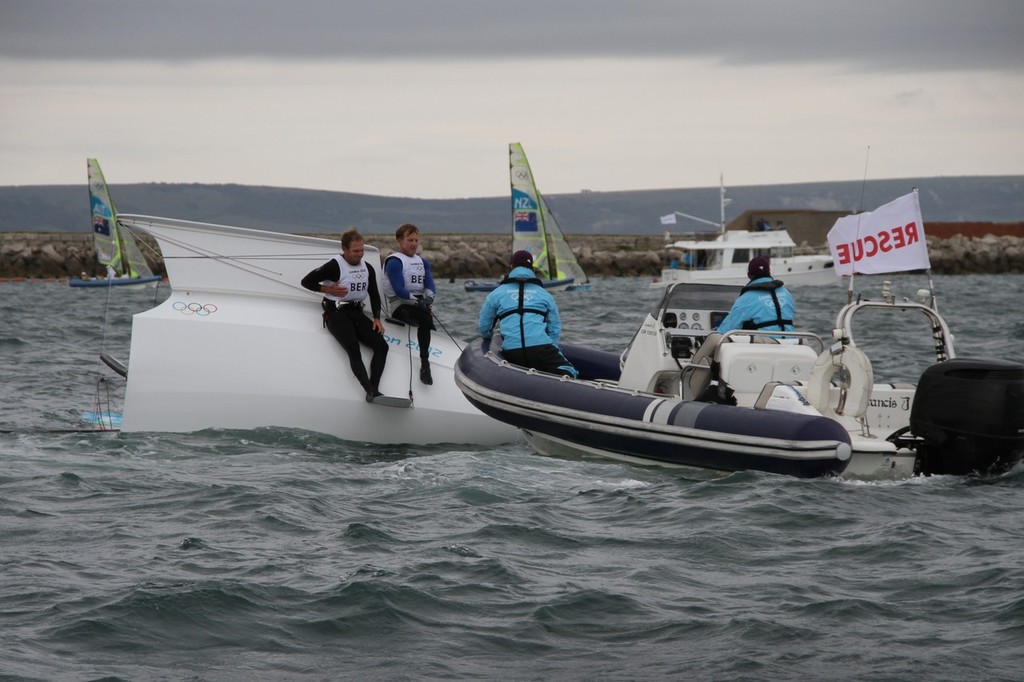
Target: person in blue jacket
[[527, 317], [764, 303]]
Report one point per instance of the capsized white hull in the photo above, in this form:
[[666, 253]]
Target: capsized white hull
[[239, 344]]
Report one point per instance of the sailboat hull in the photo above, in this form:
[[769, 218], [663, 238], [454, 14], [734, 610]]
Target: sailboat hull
[[150, 281], [550, 284], [239, 344]]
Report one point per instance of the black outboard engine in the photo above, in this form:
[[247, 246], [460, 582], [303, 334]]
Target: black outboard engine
[[969, 415]]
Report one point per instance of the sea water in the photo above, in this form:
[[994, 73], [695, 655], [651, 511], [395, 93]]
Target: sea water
[[274, 554]]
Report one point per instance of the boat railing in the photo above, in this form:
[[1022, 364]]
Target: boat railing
[[942, 337]]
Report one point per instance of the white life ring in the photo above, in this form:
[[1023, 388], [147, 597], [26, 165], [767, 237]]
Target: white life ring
[[853, 400]]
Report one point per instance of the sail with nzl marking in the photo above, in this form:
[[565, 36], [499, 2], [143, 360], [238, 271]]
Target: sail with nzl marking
[[535, 229], [116, 249]]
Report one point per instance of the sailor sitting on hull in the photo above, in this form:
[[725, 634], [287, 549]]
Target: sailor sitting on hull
[[409, 288], [345, 282]]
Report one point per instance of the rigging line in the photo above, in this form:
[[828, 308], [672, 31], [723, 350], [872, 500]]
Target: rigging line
[[106, 324], [213, 255], [454, 340], [408, 344], [860, 210], [251, 256], [139, 240], [101, 405], [28, 432], [864, 183], [231, 261]]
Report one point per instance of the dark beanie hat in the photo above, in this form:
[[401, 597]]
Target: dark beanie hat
[[522, 258], [758, 267]]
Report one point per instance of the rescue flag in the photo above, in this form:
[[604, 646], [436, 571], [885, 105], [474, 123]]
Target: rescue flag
[[888, 239]]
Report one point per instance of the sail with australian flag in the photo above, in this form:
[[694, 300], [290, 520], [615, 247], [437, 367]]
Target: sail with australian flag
[[116, 249]]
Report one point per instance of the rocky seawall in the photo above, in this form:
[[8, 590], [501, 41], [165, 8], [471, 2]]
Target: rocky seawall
[[45, 255]]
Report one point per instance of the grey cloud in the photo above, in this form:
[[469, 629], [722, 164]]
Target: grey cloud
[[858, 34]]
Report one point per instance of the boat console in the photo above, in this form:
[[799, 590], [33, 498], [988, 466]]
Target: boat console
[[688, 314]]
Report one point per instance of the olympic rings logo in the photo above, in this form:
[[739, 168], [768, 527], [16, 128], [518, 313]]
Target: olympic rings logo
[[194, 308]]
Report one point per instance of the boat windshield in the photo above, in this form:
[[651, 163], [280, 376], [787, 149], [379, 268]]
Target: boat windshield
[[689, 296], [714, 299]]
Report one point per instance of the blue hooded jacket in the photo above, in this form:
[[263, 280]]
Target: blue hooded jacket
[[756, 306], [540, 322]]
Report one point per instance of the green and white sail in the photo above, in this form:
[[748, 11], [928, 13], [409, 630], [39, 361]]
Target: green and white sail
[[114, 248], [534, 228]]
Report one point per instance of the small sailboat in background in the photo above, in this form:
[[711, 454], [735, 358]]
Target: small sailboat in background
[[116, 248], [535, 229]]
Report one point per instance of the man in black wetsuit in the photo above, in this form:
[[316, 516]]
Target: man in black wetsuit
[[345, 281]]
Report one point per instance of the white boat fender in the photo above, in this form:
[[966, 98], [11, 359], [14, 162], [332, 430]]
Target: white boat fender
[[854, 387]]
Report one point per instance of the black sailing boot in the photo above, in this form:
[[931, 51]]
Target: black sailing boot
[[371, 393]]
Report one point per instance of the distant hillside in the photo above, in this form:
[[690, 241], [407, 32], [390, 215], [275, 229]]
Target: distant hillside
[[64, 208]]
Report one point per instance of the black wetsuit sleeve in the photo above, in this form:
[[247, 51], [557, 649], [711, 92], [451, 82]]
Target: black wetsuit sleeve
[[374, 292], [328, 272]]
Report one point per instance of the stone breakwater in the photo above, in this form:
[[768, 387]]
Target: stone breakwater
[[64, 254]]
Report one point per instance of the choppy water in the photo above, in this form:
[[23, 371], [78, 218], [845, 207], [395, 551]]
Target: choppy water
[[275, 554]]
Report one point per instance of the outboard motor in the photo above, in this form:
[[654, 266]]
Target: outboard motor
[[969, 416]]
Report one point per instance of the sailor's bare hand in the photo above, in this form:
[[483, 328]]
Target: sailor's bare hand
[[338, 290]]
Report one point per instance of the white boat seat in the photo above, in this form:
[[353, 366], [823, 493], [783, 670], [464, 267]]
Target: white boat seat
[[697, 376], [748, 367]]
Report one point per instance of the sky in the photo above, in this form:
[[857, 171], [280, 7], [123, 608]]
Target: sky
[[420, 98]]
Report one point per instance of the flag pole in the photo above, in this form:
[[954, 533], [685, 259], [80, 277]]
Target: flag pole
[[721, 199], [933, 302], [860, 209], [864, 182]]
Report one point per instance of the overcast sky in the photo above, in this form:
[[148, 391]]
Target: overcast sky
[[421, 97]]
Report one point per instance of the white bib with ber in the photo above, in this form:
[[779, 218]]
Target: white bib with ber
[[355, 277]]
